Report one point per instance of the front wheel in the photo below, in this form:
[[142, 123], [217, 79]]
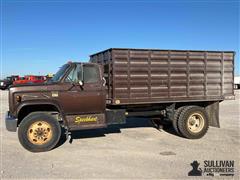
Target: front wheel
[[39, 132], [193, 122]]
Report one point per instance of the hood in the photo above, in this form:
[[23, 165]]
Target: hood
[[29, 84], [29, 87], [28, 92]]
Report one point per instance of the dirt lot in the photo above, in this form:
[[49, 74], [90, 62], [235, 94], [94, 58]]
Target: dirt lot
[[132, 151]]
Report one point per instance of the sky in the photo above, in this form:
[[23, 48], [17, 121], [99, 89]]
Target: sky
[[37, 37]]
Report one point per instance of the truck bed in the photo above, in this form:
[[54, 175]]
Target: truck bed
[[146, 76]]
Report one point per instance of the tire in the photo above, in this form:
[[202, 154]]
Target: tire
[[199, 125], [39, 132], [175, 120]]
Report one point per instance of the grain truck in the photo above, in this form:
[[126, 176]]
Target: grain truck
[[183, 87]]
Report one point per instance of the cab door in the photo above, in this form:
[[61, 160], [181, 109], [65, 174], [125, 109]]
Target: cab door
[[84, 98]]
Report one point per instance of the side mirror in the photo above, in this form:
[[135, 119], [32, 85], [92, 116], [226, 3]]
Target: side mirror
[[80, 82]]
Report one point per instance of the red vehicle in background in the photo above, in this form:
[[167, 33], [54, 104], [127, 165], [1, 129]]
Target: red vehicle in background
[[30, 79]]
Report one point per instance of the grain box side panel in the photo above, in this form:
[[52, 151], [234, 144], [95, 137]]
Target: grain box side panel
[[228, 75], [178, 79], [132, 75], [120, 76], [214, 74], [159, 74], [139, 73], [196, 74], [155, 76]]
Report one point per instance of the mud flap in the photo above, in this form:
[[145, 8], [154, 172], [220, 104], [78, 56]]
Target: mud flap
[[212, 110], [86, 121]]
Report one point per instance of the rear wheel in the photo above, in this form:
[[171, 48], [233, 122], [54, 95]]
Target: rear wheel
[[39, 132], [193, 122], [175, 119]]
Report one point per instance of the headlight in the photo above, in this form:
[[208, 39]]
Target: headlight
[[18, 98], [2, 83]]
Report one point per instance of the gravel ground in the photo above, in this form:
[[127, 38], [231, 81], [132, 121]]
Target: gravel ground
[[132, 151]]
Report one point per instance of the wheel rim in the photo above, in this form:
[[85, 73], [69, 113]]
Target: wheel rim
[[39, 133], [195, 123]]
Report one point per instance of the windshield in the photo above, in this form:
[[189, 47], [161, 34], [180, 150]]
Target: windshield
[[60, 73]]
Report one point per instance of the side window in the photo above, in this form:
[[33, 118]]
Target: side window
[[75, 74], [91, 74]]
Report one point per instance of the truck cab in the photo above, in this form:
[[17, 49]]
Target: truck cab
[[75, 98]]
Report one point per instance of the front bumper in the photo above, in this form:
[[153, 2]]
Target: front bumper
[[10, 122]]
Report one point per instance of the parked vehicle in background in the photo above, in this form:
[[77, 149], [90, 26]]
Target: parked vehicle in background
[[237, 82], [181, 87], [20, 79], [5, 83], [30, 79], [49, 76]]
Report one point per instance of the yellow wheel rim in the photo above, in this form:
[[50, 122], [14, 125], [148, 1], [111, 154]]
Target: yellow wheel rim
[[39, 133], [195, 123]]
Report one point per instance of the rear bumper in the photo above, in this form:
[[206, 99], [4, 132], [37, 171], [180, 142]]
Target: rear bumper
[[10, 122]]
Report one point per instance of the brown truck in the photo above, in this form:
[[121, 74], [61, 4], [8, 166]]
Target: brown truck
[[182, 87]]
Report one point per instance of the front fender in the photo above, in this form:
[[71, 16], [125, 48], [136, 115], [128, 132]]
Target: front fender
[[40, 102], [28, 103]]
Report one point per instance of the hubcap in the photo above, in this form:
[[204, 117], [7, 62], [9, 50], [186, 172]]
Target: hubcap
[[39, 133], [195, 123]]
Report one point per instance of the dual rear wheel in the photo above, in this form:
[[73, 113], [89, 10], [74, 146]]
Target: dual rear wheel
[[191, 122]]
